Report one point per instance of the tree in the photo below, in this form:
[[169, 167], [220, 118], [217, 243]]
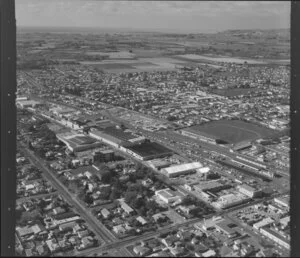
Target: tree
[[138, 203], [152, 205], [188, 200], [130, 196], [88, 199], [114, 194], [142, 211]]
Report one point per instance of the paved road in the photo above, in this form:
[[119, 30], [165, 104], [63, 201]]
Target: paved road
[[99, 229]]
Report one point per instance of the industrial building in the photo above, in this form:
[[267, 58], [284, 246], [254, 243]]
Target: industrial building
[[249, 191], [283, 201], [213, 185], [159, 164], [198, 136], [204, 172], [21, 98], [61, 111], [275, 236], [223, 227], [265, 222], [116, 137], [247, 168], [78, 142], [147, 150], [182, 169], [168, 196], [29, 103], [229, 200]]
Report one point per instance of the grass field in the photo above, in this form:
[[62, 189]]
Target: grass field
[[233, 92], [232, 131]]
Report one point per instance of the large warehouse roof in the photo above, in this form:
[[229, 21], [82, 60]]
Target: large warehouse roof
[[183, 167]]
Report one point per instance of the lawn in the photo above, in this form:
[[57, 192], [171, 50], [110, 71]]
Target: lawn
[[232, 131]]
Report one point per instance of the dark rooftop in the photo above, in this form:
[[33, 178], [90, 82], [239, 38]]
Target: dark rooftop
[[149, 148]]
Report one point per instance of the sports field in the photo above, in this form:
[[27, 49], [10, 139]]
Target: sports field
[[232, 131]]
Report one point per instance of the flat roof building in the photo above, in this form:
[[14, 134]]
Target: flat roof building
[[249, 191], [29, 103], [230, 200], [78, 142], [263, 223], [181, 169], [168, 196], [275, 236], [284, 201], [148, 150], [159, 164], [213, 185], [224, 228]]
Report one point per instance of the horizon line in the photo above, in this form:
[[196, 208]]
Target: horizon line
[[156, 30]]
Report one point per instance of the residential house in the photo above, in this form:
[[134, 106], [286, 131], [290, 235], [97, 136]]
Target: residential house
[[83, 233], [53, 245], [141, 250], [119, 229], [105, 213], [141, 220]]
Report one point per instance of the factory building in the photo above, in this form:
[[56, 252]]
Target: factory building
[[29, 103], [182, 169], [275, 236], [229, 200], [249, 191], [78, 142], [263, 223], [283, 201], [168, 196]]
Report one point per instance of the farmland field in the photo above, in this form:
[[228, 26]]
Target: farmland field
[[232, 131]]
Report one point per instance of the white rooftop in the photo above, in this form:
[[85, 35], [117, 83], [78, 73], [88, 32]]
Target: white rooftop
[[204, 170], [183, 167]]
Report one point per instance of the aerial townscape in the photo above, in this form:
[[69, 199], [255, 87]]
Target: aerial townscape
[[144, 144]]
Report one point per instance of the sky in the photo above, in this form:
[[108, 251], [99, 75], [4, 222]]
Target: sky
[[175, 16]]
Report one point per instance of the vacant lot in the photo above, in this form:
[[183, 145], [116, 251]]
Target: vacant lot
[[232, 131]]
